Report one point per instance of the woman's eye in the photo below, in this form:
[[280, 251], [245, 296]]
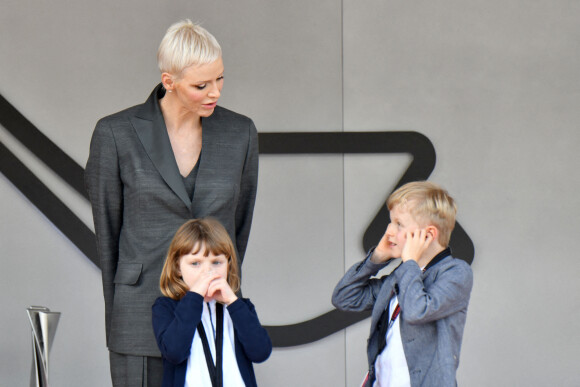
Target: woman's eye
[[200, 87]]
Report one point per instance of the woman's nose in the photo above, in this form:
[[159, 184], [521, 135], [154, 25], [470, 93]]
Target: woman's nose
[[215, 91]]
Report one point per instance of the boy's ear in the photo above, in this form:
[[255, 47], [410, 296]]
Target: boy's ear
[[433, 231]]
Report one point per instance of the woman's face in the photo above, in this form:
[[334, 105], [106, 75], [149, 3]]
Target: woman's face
[[199, 88]]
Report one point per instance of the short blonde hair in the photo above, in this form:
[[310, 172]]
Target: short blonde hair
[[427, 203], [196, 234], [186, 44]]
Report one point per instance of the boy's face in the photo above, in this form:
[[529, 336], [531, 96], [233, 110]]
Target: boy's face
[[401, 222]]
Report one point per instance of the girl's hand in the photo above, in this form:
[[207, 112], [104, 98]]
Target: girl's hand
[[416, 244], [220, 290], [383, 251], [202, 284]]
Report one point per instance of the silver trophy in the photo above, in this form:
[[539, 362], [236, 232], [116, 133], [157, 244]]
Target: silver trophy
[[43, 323]]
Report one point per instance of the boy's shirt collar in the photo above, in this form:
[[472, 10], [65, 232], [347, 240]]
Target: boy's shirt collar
[[436, 259]]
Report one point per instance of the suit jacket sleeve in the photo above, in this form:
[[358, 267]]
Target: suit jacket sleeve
[[248, 188], [104, 186], [249, 332], [357, 291], [447, 295], [175, 324]]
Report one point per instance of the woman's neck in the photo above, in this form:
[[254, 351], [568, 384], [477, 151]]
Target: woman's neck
[[176, 118]]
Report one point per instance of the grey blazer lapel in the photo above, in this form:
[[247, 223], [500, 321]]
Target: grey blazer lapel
[[150, 127], [383, 299], [207, 161]]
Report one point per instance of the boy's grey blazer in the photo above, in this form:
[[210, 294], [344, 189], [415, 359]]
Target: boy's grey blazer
[[139, 201], [433, 311]]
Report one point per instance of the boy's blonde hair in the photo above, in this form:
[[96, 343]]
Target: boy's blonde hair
[[208, 234], [186, 44], [429, 204]]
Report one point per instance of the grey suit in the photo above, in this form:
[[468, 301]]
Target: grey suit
[[433, 311], [139, 200]]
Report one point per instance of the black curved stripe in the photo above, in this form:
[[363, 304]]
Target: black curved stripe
[[423, 153], [50, 205], [315, 329], [352, 142], [43, 148], [416, 144]]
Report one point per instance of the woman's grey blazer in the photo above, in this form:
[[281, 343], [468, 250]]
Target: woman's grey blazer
[[139, 201]]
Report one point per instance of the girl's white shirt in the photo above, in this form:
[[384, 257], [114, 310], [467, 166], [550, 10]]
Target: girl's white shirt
[[197, 373]]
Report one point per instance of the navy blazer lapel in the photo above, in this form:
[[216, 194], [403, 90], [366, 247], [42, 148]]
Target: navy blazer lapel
[[150, 127]]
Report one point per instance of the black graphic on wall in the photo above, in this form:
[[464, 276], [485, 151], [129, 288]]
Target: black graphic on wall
[[413, 143]]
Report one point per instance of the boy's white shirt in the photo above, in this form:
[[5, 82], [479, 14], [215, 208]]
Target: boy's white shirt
[[391, 365], [391, 368], [197, 373]]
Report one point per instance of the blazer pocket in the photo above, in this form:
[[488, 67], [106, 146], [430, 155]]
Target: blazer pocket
[[128, 273]]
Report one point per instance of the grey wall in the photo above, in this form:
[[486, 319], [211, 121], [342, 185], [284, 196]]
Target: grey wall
[[495, 85]]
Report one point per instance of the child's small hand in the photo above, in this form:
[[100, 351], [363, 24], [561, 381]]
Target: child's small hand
[[416, 243], [220, 290], [202, 284], [383, 252]]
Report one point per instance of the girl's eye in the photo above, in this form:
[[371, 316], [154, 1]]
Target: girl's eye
[[217, 263], [194, 263]]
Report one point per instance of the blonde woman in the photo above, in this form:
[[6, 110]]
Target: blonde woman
[[151, 167]]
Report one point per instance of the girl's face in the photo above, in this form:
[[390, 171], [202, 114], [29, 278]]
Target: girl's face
[[194, 266]]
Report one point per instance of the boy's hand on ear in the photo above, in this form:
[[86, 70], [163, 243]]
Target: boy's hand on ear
[[417, 242], [383, 251]]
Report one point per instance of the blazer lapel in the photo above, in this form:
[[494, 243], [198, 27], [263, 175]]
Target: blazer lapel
[[150, 127], [209, 157], [383, 300]]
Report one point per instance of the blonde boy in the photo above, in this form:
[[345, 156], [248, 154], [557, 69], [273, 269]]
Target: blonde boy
[[419, 309]]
